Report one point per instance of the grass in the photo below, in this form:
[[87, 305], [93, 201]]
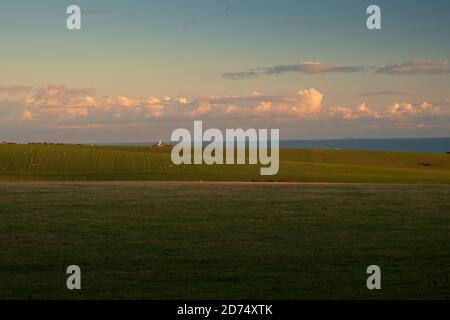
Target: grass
[[108, 163], [184, 240], [108, 210]]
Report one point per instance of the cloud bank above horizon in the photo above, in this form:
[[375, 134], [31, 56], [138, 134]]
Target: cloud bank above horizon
[[57, 108]]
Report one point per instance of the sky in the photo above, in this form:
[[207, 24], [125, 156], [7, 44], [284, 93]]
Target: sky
[[139, 69]]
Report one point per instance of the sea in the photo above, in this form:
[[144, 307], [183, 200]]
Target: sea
[[437, 145], [434, 145]]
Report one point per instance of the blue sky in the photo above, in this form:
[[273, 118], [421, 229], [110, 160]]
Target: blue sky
[[130, 54]]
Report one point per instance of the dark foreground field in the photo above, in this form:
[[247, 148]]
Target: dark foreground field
[[157, 240]]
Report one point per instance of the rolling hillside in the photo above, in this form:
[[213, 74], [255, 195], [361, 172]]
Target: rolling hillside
[[110, 163]]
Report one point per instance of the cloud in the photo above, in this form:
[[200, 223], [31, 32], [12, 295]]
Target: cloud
[[312, 68], [304, 68], [57, 103], [363, 111], [400, 115], [15, 89], [387, 93], [240, 75], [202, 108], [182, 100], [402, 109], [309, 101], [306, 103], [59, 107], [127, 102], [58, 96], [27, 115], [416, 67]]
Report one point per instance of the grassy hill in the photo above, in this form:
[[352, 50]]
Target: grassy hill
[[111, 163]]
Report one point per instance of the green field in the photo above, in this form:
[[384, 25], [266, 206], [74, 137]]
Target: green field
[[167, 240], [106, 163], [178, 236]]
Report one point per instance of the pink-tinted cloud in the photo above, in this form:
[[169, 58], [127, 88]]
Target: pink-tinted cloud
[[402, 109], [56, 106], [362, 112]]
